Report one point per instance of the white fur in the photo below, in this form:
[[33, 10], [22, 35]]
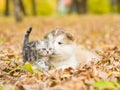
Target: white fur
[[85, 56], [69, 55], [63, 56]]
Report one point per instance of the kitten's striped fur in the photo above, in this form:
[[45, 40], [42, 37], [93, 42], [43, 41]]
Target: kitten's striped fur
[[36, 52], [28, 50]]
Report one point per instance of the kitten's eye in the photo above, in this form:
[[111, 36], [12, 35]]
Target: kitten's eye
[[60, 43], [39, 49]]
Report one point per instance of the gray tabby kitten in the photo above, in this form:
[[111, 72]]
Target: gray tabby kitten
[[37, 52], [44, 49]]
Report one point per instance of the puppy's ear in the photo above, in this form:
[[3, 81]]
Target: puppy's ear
[[54, 33], [48, 36], [70, 36]]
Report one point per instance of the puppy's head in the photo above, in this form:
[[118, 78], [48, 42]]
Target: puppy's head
[[63, 42]]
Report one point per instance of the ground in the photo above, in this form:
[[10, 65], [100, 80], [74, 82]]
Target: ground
[[96, 33]]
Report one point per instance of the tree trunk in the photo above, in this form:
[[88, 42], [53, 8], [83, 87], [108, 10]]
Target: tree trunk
[[79, 6], [7, 8], [73, 7], [17, 9], [33, 7], [118, 5], [112, 4], [82, 6], [22, 7]]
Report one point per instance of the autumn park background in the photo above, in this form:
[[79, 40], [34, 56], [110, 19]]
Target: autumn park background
[[53, 7], [94, 23]]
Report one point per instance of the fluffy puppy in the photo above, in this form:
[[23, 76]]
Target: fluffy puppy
[[66, 52]]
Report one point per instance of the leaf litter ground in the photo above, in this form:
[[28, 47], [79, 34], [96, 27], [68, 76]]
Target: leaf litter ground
[[96, 33]]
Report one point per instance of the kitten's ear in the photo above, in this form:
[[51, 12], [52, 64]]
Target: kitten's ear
[[70, 36], [37, 42]]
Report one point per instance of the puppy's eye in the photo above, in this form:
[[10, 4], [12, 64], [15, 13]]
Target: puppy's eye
[[43, 48], [60, 43], [50, 48]]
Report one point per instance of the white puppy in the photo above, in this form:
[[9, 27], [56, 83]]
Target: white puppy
[[66, 52]]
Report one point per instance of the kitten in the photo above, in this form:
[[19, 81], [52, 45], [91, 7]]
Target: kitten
[[44, 49], [37, 52], [66, 52]]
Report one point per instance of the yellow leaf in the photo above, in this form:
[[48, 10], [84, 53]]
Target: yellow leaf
[[28, 67]]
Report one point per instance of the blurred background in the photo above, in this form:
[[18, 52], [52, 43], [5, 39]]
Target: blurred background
[[94, 23], [22, 8]]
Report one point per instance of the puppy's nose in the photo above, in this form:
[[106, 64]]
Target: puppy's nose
[[47, 52]]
